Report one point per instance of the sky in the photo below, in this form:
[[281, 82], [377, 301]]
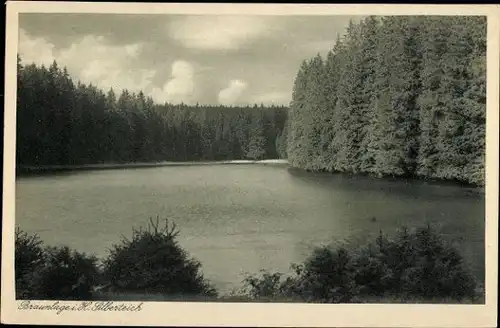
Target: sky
[[206, 59]]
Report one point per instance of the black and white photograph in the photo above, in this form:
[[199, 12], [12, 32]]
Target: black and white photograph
[[217, 156]]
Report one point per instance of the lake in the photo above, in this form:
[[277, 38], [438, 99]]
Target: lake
[[238, 219]]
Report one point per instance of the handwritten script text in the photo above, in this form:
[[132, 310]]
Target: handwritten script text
[[60, 307]]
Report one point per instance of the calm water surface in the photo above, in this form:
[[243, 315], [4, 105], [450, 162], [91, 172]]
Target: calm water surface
[[238, 219]]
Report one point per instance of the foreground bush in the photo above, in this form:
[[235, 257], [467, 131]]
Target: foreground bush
[[418, 265], [65, 275], [153, 262], [50, 273], [29, 255]]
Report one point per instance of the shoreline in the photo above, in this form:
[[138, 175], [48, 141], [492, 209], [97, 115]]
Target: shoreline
[[480, 189], [45, 169], [23, 169]]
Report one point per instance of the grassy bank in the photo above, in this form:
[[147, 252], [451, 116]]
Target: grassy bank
[[412, 266]]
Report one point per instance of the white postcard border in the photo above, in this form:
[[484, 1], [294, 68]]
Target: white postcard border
[[255, 314]]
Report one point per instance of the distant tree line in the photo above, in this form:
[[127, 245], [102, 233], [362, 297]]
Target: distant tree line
[[60, 122], [400, 96]]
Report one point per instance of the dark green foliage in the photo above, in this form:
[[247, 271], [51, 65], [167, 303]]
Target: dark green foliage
[[414, 265], [326, 276], [52, 273], [396, 96], [296, 124], [256, 149], [65, 275], [29, 256], [65, 123], [281, 143], [418, 264], [264, 286], [153, 262]]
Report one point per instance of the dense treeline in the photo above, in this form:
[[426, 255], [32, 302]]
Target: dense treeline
[[62, 123], [400, 96]]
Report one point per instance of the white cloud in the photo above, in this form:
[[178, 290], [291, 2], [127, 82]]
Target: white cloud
[[273, 98], [132, 49], [217, 32], [180, 88], [36, 50], [232, 93], [92, 60]]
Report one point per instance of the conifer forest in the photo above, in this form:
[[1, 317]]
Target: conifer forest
[[61, 122], [400, 96], [395, 96]]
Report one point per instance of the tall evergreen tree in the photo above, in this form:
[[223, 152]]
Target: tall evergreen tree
[[432, 98], [398, 110], [256, 145], [313, 113], [395, 96], [368, 66], [296, 138], [348, 107]]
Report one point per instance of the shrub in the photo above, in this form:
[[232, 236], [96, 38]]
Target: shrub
[[267, 285], [380, 265], [65, 275], [438, 270], [372, 274], [153, 262], [29, 255], [417, 265], [49, 273], [327, 276]]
